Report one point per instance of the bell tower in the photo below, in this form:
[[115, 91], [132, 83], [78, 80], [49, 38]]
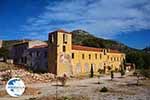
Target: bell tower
[[59, 52]]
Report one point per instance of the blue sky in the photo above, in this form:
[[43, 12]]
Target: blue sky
[[127, 21]]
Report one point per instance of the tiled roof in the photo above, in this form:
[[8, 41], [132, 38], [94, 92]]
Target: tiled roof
[[84, 48], [40, 46]]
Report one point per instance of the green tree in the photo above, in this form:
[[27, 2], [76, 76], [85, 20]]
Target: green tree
[[146, 58], [93, 42], [136, 58], [4, 53], [92, 71]]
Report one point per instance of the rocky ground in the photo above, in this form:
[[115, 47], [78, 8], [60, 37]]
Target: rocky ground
[[9, 70], [86, 89], [45, 87]]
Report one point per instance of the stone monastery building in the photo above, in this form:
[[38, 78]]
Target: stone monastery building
[[60, 56]]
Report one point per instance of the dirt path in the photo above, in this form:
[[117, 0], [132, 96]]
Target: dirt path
[[118, 89]]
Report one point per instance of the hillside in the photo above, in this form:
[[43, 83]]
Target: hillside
[[8, 43], [139, 57], [84, 38]]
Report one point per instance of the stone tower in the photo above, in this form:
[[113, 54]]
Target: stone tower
[[59, 52]]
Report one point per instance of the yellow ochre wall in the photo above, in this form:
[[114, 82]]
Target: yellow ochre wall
[[81, 65], [61, 62], [64, 58]]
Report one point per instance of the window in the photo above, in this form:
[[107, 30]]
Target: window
[[64, 38], [51, 38], [37, 53], [100, 56], [86, 67], [72, 55], [89, 56], [78, 68], [105, 51], [111, 59], [64, 48], [114, 58], [95, 56], [82, 56], [22, 60], [108, 57], [45, 54]]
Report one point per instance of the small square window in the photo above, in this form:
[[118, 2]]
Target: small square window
[[89, 56]]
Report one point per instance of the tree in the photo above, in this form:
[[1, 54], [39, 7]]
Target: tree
[[92, 71], [122, 68], [146, 58], [122, 72], [137, 58], [4, 53], [93, 42], [112, 75]]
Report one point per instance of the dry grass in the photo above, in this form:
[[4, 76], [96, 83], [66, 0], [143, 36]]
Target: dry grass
[[50, 97], [28, 91], [3, 93], [32, 91], [5, 66]]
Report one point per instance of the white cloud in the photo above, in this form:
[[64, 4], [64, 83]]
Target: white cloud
[[105, 18]]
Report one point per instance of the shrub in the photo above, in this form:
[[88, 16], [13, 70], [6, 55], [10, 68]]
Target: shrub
[[67, 98], [63, 79], [6, 77], [104, 89], [145, 73], [101, 71], [135, 73], [122, 71], [109, 68]]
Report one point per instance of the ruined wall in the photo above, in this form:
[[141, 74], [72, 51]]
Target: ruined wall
[[1, 43], [36, 43]]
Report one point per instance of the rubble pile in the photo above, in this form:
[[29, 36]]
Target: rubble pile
[[26, 76]]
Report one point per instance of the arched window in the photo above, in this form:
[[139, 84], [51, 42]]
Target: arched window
[[86, 66], [78, 68]]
